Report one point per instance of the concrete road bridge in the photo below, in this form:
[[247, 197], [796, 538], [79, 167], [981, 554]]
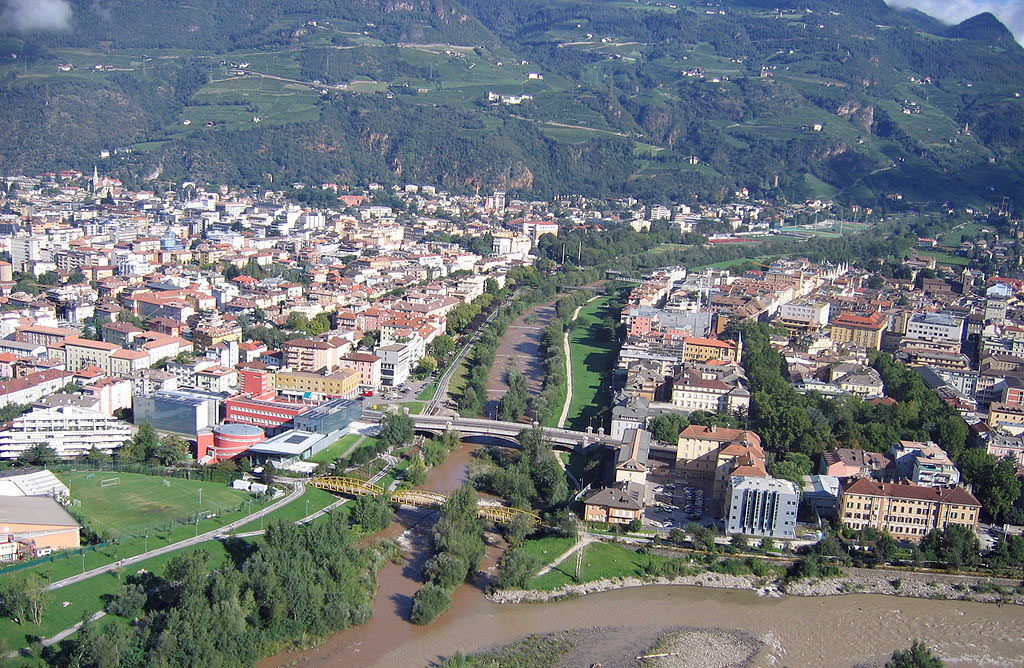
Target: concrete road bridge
[[413, 497], [563, 438]]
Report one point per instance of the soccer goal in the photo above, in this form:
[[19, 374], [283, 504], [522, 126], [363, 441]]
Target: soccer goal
[[109, 482]]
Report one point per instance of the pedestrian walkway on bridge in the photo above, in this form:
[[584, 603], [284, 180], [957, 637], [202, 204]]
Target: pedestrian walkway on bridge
[[413, 497]]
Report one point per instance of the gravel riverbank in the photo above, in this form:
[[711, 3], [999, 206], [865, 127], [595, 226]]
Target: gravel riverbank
[[853, 581]]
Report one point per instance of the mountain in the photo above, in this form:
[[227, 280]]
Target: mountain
[[657, 99], [984, 28]]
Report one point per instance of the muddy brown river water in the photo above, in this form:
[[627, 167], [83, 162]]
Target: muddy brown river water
[[838, 631]]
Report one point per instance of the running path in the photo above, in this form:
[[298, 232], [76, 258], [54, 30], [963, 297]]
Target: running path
[[568, 367], [585, 539]]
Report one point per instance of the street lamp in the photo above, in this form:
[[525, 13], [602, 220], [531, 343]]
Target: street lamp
[[200, 498], [307, 508], [147, 543]]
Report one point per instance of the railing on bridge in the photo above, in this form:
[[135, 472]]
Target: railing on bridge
[[411, 497]]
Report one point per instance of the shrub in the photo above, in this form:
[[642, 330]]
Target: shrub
[[430, 601]]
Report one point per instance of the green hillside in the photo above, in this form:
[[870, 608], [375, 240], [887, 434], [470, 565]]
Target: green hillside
[[646, 97]]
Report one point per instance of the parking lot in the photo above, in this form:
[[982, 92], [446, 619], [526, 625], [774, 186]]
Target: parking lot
[[675, 505]]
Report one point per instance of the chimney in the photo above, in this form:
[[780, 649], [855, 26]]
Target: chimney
[[712, 428]]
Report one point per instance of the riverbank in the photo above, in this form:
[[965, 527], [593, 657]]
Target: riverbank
[[853, 581], [622, 647]]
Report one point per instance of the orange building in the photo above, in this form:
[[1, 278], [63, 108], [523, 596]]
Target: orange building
[[38, 523]]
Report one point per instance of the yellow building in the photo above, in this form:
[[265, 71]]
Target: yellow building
[[863, 330], [343, 383], [1007, 416], [704, 350], [904, 510]]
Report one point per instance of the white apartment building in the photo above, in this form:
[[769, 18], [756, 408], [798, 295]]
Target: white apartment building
[[395, 363], [69, 430], [935, 327], [808, 313]]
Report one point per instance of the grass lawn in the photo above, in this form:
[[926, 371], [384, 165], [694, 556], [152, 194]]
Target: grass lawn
[[86, 597], [428, 392], [339, 448], [141, 503], [946, 258], [593, 358], [415, 407], [956, 237], [313, 500], [549, 548], [458, 380], [600, 561]]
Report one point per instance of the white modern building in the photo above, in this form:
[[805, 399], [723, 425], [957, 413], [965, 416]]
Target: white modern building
[[71, 431], [935, 327], [762, 507]]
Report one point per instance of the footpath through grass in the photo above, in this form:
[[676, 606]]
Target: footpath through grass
[[128, 504], [600, 561], [311, 501], [593, 353]]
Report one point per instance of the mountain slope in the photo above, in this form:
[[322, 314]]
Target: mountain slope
[[819, 98]]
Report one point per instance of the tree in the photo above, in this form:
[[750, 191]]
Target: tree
[[469, 402], [518, 528], [25, 596], [369, 340], [372, 513], [38, 454], [96, 455], [426, 366], [793, 467], [442, 346], [395, 429], [318, 325], [491, 286], [429, 602], [170, 450], [516, 568], [297, 320], [11, 411], [667, 427], [416, 474], [918, 656], [446, 569], [141, 445], [956, 545]]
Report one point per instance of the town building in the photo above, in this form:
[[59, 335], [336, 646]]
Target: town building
[[761, 506], [905, 510], [71, 432], [35, 526], [862, 330]]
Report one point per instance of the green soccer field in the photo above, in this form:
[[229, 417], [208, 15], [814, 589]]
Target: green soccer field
[[139, 502]]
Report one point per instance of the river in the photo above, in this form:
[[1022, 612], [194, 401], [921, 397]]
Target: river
[[838, 631]]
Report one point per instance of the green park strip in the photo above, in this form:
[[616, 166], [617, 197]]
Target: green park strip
[[338, 449], [311, 501], [86, 598], [601, 561], [547, 549], [415, 407], [593, 354]]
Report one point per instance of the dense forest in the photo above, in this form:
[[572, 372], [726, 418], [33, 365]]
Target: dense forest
[[854, 100], [302, 583]]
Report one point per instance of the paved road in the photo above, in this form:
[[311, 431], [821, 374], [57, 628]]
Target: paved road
[[442, 384], [297, 491]]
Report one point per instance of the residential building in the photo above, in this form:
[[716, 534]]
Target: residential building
[[862, 330], [611, 505], [905, 510], [935, 327], [367, 365], [342, 383], [32, 387], [844, 463], [71, 431], [309, 355], [760, 506], [395, 364], [711, 455], [923, 463]]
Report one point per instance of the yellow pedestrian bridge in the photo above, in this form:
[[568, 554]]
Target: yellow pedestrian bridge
[[412, 497]]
